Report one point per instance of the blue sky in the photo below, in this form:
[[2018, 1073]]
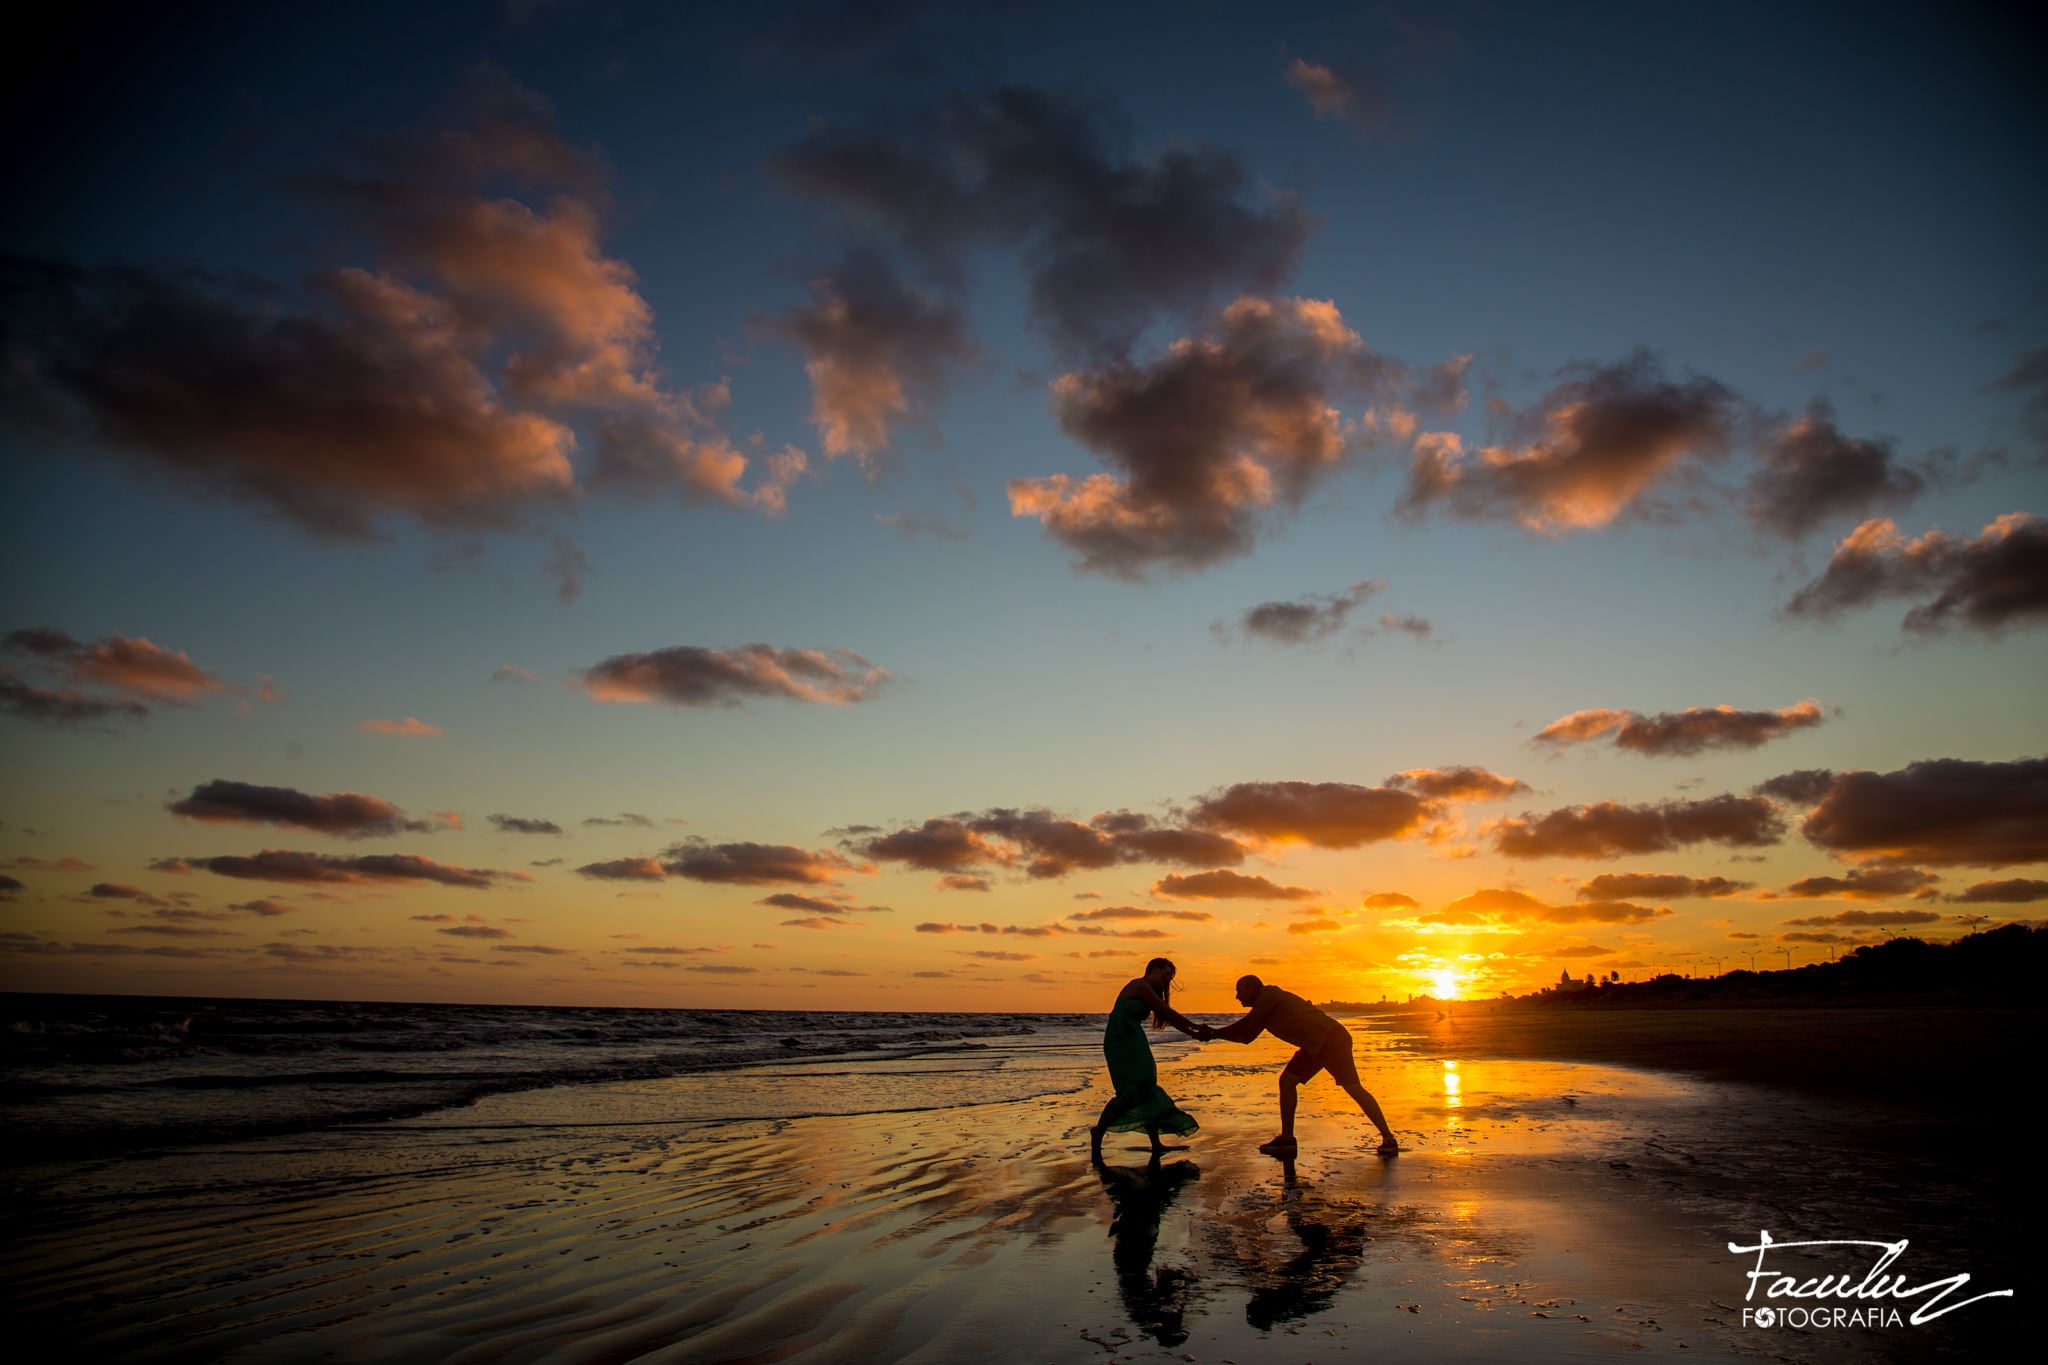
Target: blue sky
[[1645, 243]]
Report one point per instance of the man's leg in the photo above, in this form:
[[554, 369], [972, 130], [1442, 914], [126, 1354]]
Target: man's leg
[[1344, 1070], [1288, 1098]]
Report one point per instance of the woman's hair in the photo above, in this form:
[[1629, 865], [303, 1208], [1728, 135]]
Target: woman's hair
[[1166, 991]]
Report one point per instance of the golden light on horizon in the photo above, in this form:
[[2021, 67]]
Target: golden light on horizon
[[1445, 983]]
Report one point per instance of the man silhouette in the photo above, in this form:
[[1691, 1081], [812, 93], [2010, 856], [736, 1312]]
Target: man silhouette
[[1323, 1043]]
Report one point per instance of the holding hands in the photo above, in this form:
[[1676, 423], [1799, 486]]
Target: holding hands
[[1204, 1034]]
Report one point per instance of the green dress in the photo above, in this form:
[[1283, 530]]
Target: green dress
[[1139, 1103]]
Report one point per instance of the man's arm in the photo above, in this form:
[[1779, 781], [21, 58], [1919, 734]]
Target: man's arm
[[1247, 1028]]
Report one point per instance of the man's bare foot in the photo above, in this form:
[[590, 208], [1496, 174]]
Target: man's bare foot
[[1284, 1143], [1388, 1146]]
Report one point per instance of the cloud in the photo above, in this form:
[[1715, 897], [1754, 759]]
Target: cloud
[[115, 891], [409, 728], [1109, 239], [1868, 917], [1207, 441], [1307, 619], [263, 906], [348, 815], [1379, 96], [1046, 845], [1314, 926], [451, 382], [2012, 891], [52, 865], [1944, 812], [541, 949], [137, 668], [283, 865], [956, 882], [1611, 886], [624, 817], [1859, 884], [749, 864], [1582, 950], [876, 353], [1611, 829], [1804, 787], [1407, 623], [789, 900], [133, 676], [686, 675], [1390, 900], [1138, 912], [475, 931], [1226, 885], [1321, 814], [1596, 449], [514, 824], [2029, 378], [1810, 472], [1337, 97], [566, 566], [1458, 784], [1498, 905], [9, 885], [997, 955], [1994, 581], [624, 870], [1682, 733], [63, 707], [508, 673]]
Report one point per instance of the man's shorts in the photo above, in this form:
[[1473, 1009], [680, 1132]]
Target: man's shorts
[[1333, 1054]]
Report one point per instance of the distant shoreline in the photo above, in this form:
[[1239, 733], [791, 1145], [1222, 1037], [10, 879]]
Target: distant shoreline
[[1941, 1059]]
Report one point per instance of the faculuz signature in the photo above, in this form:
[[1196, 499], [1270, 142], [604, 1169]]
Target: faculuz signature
[[1874, 1284]]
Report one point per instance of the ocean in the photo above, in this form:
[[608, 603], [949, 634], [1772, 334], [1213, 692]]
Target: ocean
[[106, 1074]]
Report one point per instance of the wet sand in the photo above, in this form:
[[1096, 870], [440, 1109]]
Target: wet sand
[[1545, 1210]]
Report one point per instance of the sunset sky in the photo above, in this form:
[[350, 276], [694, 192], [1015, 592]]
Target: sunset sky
[[840, 505]]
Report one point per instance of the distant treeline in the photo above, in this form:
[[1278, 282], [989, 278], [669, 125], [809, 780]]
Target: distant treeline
[[2003, 966]]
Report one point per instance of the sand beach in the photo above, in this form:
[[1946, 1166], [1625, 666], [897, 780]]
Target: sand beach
[[944, 1209]]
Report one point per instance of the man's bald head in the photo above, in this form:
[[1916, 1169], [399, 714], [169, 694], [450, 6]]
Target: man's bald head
[[1248, 988]]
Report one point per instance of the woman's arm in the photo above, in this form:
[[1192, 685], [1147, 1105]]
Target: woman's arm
[[1143, 990]]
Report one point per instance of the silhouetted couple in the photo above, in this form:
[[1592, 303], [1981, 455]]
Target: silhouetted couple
[[1321, 1043]]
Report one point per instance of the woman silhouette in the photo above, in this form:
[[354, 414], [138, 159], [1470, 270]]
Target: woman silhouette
[[1139, 1102]]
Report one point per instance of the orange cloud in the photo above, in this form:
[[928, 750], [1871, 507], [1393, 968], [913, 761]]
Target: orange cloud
[[1994, 581], [1611, 829], [409, 728], [350, 815], [1227, 885], [1322, 814], [446, 382], [1601, 442], [1943, 812], [284, 865], [1458, 784], [876, 354], [1682, 733]]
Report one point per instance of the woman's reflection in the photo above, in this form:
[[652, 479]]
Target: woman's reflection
[[1155, 1300]]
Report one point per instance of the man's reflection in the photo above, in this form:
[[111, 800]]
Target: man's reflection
[[1155, 1300], [1333, 1237]]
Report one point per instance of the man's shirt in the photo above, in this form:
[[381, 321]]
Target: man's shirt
[[1287, 1017]]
